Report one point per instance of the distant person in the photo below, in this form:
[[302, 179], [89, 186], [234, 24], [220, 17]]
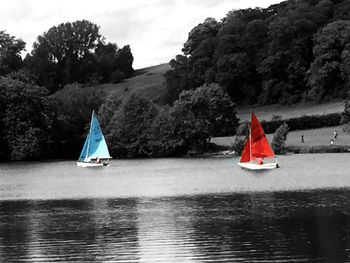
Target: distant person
[[302, 138], [261, 161], [332, 141], [335, 134]]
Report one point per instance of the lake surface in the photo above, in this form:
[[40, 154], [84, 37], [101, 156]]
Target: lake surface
[[177, 210]]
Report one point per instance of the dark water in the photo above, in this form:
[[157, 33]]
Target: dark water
[[174, 210], [261, 227]]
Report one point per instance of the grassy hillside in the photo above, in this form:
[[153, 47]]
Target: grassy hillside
[[151, 83], [148, 81]]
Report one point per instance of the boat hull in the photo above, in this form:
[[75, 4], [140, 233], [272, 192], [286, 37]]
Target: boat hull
[[90, 165], [256, 166]]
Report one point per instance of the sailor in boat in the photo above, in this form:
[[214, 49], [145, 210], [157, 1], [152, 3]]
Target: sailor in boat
[[98, 160], [261, 161]]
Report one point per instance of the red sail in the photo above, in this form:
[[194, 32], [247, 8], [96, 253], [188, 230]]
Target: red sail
[[258, 146], [245, 158]]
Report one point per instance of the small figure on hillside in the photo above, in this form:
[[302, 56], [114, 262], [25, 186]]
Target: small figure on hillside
[[302, 138], [332, 141], [335, 134]]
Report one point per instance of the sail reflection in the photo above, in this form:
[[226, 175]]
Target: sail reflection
[[164, 231]]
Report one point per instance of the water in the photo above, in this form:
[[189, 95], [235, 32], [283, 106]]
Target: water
[[176, 210]]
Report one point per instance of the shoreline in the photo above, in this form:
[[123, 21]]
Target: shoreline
[[292, 149]]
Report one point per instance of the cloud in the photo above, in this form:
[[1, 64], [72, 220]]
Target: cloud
[[155, 29]]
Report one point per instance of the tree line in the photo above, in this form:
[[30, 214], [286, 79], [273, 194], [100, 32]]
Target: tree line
[[67, 53], [46, 101], [35, 125], [289, 52]]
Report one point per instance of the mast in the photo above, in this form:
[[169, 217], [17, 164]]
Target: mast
[[250, 139], [88, 146]]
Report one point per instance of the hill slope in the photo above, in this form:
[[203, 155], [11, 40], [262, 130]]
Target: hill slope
[[148, 81]]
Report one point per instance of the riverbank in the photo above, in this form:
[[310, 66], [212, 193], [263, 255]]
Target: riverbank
[[315, 141]]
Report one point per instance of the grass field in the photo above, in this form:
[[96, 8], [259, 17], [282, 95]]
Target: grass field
[[312, 137], [148, 81]]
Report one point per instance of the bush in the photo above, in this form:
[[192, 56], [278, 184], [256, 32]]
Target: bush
[[239, 144], [243, 129], [280, 138]]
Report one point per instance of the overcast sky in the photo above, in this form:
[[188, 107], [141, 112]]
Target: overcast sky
[[155, 29]]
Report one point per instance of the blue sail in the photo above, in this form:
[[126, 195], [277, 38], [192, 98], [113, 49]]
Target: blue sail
[[84, 152], [95, 145]]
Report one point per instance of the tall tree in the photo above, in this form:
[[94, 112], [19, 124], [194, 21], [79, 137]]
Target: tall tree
[[177, 78], [124, 60], [73, 106], [27, 119], [10, 53], [331, 57], [279, 139], [128, 129], [64, 54], [203, 113]]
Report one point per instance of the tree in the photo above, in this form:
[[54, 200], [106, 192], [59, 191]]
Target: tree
[[279, 139], [27, 119], [203, 113], [177, 78], [324, 76], [73, 106], [162, 141], [124, 60], [107, 110], [345, 118], [203, 31], [106, 57], [64, 54], [127, 132], [10, 53]]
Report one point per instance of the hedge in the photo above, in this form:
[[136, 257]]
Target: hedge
[[304, 122]]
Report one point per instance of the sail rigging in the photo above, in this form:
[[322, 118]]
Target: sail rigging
[[95, 145], [257, 147]]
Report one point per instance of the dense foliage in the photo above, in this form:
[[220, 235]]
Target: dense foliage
[[286, 53], [304, 122], [10, 53], [46, 101], [25, 119], [77, 52], [279, 139], [345, 116], [136, 127]]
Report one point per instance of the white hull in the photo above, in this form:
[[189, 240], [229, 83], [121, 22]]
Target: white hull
[[89, 165], [255, 166]]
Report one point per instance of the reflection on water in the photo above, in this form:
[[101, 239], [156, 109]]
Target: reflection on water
[[310, 226]]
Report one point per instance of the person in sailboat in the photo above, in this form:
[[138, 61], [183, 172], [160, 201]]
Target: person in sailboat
[[261, 161], [98, 160]]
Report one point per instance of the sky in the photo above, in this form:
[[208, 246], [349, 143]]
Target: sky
[[155, 29]]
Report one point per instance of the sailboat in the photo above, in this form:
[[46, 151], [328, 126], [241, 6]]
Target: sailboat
[[257, 153], [95, 151]]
